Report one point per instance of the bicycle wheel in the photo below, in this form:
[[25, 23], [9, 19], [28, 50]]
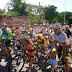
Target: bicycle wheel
[[16, 64], [35, 59]]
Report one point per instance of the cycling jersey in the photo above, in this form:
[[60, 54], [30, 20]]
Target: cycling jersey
[[31, 45], [7, 35], [36, 30], [12, 30], [62, 37], [23, 28], [31, 48], [42, 38], [44, 30], [18, 31]]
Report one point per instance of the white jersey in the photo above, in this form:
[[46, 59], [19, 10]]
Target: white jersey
[[62, 37], [0, 32], [44, 30], [6, 29], [23, 28], [36, 30]]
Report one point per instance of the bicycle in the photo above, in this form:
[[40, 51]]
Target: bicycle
[[17, 63]]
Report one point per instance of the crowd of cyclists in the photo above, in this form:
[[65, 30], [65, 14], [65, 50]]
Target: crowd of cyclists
[[43, 34]]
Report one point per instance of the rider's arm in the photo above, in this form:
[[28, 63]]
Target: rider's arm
[[54, 41], [55, 44], [64, 49]]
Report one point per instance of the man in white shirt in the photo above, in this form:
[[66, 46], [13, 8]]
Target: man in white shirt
[[60, 38]]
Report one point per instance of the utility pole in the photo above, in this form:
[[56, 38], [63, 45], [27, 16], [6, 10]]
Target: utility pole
[[65, 12], [39, 13]]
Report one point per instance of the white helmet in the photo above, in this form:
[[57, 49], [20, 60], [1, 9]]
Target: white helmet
[[22, 36], [56, 25]]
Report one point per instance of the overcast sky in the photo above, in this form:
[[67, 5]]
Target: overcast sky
[[60, 4]]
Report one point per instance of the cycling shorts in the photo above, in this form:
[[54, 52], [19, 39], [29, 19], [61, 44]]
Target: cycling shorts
[[7, 43], [32, 54]]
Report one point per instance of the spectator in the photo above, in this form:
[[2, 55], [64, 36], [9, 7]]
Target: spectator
[[67, 31], [64, 27]]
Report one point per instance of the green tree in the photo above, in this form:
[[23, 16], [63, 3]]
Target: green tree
[[68, 19], [12, 13], [18, 6], [2, 12], [50, 13]]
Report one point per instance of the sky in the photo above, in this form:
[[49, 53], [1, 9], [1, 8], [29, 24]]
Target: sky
[[60, 4]]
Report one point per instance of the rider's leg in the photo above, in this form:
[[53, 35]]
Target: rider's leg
[[31, 55], [53, 55], [66, 59], [44, 50], [31, 62], [44, 44], [6, 50], [66, 65]]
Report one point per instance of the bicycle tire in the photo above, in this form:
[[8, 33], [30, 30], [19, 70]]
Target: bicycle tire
[[10, 66]]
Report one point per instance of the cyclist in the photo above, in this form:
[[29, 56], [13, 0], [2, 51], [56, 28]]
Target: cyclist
[[28, 45], [67, 31], [50, 29], [7, 35], [17, 30], [40, 39], [12, 29], [60, 38], [23, 27], [40, 26], [31, 34], [44, 30], [36, 29], [64, 27]]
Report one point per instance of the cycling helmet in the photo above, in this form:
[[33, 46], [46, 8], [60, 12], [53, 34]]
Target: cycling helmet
[[56, 25], [3, 26]]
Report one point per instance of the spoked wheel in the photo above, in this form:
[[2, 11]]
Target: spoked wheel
[[16, 64], [35, 60]]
